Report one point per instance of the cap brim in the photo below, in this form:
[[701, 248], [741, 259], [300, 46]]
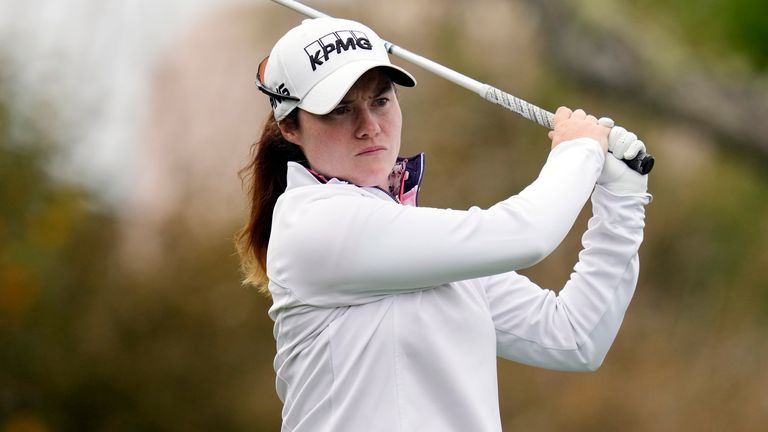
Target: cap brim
[[327, 93]]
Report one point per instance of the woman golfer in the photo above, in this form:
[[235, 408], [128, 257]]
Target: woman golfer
[[388, 316]]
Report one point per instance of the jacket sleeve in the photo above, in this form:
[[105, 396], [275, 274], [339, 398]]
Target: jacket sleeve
[[575, 329], [336, 249]]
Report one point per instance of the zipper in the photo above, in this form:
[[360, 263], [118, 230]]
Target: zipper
[[394, 198]]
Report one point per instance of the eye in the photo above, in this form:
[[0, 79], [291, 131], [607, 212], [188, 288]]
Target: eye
[[341, 110], [381, 101]]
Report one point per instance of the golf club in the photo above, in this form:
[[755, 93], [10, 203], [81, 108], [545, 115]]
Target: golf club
[[642, 163]]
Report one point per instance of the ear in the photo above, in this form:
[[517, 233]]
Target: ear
[[290, 132]]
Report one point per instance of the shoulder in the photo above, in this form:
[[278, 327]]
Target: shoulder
[[315, 207], [304, 188], [313, 194]]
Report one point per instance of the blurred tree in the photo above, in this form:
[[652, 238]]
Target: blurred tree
[[87, 345], [659, 54], [53, 243]]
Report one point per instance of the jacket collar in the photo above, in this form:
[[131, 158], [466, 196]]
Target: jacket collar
[[405, 179]]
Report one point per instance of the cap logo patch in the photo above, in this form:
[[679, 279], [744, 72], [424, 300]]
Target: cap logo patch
[[274, 99], [337, 42]]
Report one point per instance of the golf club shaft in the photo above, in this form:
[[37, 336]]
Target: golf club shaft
[[642, 163]]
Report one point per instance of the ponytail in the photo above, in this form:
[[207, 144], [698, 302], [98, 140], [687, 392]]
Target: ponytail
[[265, 180]]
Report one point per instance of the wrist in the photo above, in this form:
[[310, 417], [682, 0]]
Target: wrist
[[617, 178]]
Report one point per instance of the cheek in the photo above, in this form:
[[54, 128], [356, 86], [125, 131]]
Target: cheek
[[396, 121], [323, 150], [395, 128], [313, 139]]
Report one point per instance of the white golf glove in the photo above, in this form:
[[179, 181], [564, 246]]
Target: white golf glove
[[620, 179], [621, 142]]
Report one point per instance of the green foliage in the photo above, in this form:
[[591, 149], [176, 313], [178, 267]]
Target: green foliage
[[745, 25], [721, 26], [86, 344], [44, 276], [708, 254]]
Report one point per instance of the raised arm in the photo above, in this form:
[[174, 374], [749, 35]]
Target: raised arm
[[574, 329], [345, 248]]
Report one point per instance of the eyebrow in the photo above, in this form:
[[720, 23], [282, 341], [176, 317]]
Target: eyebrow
[[384, 88]]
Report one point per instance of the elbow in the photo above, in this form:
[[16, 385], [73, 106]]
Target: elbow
[[584, 365], [591, 362], [585, 358], [593, 365]]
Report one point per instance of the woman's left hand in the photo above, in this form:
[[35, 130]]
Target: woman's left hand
[[577, 124]]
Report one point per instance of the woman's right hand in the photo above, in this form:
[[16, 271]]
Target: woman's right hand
[[577, 124]]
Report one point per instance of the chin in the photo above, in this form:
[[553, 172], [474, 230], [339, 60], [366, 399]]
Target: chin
[[373, 175]]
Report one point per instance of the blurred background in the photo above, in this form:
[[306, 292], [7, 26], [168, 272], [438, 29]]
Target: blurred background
[[123, 125]]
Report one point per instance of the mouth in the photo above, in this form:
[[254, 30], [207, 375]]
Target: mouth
[[371, 150]]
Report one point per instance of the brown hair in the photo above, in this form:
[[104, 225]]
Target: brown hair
[[265, 180]]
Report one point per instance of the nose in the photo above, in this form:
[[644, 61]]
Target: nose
[[367, 124]]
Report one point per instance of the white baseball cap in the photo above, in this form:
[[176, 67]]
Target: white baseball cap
[[315, 64]]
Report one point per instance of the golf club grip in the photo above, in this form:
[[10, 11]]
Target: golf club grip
[[642, 163]]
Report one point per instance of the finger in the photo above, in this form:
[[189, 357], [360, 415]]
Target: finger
[[619, 141], [627, 140], [562, 113], [592, 118], [606, 121], [579, 114], [615, 139], [634, 148], [551, 135]]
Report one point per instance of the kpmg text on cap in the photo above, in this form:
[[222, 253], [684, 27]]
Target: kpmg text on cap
[[321, 50]]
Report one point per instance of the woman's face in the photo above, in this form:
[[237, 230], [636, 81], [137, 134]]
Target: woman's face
[[360, 139]]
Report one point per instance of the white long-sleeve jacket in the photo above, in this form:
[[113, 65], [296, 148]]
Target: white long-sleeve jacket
[[390, 317]]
